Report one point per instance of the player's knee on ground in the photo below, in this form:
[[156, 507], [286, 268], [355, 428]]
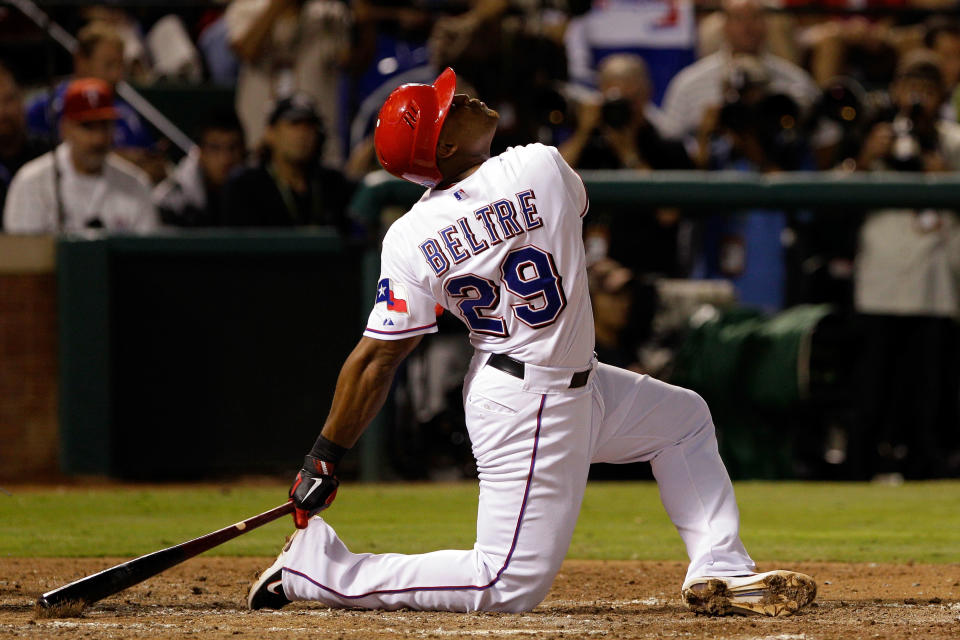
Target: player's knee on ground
[[514, 600], [518, 590]]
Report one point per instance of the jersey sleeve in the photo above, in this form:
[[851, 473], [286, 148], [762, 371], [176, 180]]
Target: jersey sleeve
[[402, 306], [573, 185]]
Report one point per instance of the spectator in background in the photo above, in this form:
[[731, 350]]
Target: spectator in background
[[99, 55], [122, 22], [756, 130], [622, 131], [191, 196], [290, 187], [699, 86], [80, 184], [907, 290], [288, 46], [17, 147]]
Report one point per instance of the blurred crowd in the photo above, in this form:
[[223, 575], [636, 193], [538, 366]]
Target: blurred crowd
[[631, 85]]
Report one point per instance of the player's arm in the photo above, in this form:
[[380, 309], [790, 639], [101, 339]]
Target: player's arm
[[362, 388]]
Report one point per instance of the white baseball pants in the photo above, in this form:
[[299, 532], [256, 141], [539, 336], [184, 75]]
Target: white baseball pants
[[534, 440]]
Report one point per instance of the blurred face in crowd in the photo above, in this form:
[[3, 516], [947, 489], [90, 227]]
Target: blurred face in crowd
[[926, 93], [12, 118], [89, 142], [292, 141], [625, 76], [745, 27], [221, 151], [104, 62], [947, 47]]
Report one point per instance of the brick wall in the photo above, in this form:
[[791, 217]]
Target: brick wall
[[28, 376]]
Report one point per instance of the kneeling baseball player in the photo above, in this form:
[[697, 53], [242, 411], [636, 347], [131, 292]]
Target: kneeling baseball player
[[497, 241]]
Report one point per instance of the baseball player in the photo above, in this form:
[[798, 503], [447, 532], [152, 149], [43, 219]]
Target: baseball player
[[497, 242]]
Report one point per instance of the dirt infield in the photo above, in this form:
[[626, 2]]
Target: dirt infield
[[204, 598]]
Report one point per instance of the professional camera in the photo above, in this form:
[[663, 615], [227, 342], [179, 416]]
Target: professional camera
[[616, 112], [908, 145], [774, 119]]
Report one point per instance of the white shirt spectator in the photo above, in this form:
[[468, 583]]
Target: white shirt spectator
[[908, 262], [700, 86], [119, 197]]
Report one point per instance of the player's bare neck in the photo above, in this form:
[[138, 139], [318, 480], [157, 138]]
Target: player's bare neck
[[455, 174]]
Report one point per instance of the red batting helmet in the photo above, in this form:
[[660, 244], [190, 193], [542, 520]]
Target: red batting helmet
[[408, 128]]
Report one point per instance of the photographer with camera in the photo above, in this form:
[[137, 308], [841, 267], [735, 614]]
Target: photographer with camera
[[907, 292], [909, 135], [621, 132], [756, 130], [692, 91]]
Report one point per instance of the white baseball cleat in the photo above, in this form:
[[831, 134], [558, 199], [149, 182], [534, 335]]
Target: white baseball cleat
[[774, 593], [267, 591]]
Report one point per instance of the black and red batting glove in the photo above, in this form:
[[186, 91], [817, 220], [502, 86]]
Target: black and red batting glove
[[313, 490]]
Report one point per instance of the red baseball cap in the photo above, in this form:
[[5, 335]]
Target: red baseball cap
[[89, 99]]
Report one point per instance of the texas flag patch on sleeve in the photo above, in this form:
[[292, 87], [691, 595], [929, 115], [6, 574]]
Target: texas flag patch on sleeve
[[392, 295]]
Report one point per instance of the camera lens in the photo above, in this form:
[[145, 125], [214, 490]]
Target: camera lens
[[616, 113]]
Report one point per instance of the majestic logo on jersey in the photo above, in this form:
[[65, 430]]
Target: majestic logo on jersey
[[392, 295]]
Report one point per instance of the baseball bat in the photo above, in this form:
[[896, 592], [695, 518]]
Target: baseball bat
[[115, 579]]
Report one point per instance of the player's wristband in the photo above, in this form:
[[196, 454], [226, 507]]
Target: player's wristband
[[324, 449]]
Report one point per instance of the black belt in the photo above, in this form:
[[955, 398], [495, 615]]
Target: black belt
[[516, 368]]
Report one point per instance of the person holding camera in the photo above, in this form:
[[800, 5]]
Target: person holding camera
[[696, 88], [755, 127], [755, 130], [621, 132], [907, 292]]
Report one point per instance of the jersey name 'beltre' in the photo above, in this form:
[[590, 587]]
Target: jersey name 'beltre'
[[498, 220]]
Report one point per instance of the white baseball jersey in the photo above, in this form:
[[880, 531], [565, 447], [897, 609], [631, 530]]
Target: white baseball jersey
[[503, 251]]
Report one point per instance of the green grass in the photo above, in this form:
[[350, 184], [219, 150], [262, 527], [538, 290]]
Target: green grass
[[917, 522]]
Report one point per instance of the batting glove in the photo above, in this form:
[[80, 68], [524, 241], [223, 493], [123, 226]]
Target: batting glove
[[313, 490]]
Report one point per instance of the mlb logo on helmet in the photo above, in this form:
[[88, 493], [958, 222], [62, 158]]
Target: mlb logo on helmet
[[393, 295]]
